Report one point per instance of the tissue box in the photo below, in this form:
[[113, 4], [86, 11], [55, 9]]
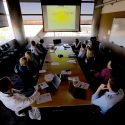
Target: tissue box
[[77, 92]]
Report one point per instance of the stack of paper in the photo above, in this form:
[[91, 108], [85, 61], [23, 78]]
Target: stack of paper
[[42, 71], [72, 55], [48, 77], [55, 63], [42, 85], [71, 61], [82, 85], [44, 98]]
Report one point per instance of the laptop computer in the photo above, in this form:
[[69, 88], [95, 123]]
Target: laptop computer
[[54, 84]]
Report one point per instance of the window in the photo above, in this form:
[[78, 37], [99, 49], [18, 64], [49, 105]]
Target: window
[[32, 18], [86, 20], [87, 8], [86, 16], [6, 33], [85, 31]]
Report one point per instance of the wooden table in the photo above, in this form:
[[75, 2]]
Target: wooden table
[[62, 97]]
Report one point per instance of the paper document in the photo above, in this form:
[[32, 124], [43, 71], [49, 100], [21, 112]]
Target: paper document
[[55, 63], [64, 72], [42, 85], [44, 98], [52, 50], [73, 78], [82, 85], [71, 61], [48, 77], [72, 55], [42, 71]]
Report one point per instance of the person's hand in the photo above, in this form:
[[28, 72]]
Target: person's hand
[[101, 87], [41, 91]]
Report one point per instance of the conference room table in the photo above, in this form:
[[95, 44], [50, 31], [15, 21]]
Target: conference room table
[[53, 64]]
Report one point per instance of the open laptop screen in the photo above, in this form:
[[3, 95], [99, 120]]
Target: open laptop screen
[[56, 81]]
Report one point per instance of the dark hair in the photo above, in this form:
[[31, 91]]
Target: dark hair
[[33, 43], [93, 38], [41, 41], [83, 45], [115, 83], [76, 41], [4, 84]]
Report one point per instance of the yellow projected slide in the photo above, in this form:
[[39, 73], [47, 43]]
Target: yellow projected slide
[[61, 17]]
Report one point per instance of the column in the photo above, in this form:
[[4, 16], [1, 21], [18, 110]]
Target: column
[[96, 18], [16, 21]]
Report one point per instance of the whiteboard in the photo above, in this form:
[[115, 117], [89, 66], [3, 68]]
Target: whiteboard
[[117, 35]]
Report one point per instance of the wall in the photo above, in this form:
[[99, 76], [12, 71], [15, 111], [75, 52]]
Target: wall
[[116, 10], [106, 24], [49, 40], [109, 12]]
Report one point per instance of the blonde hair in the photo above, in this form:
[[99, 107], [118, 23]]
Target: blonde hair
[[23, 61], [89, 53], [28, 55]]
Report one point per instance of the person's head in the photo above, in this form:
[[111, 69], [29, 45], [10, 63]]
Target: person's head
[[76, 41], [33, 43], [28, 55], [41, 41], [6, 85], [83, 45], [23, 61], [114, 84], [89, 53]]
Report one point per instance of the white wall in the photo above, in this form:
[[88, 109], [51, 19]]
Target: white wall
[[49, 40], [116, 7]]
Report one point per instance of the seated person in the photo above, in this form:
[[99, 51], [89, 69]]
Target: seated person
[[25, 73], [105, 73], [114, 95], [36, 52], [76, 46], [89, 62], [16, 101], [41, 46], [32, 63], [82, 51], [101, 76]]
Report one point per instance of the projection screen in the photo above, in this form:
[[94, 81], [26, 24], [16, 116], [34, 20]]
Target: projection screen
[[61, 17]]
